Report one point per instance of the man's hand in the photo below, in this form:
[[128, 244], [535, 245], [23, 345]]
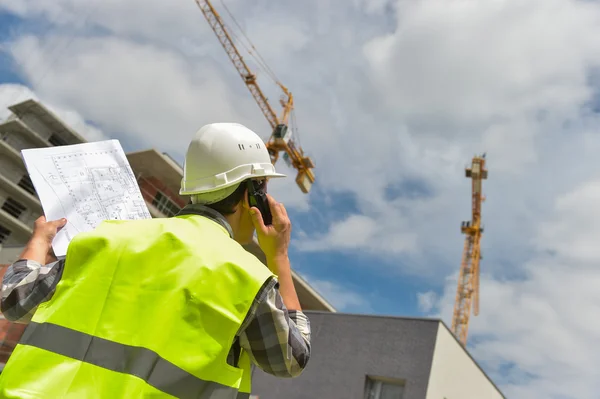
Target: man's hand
[[274, 239], [39, 247], [44, 231]]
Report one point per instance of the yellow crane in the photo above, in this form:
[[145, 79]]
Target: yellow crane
[[281, 139], [467, 293]]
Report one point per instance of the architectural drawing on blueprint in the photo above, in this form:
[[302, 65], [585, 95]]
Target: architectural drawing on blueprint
[[85, 183]]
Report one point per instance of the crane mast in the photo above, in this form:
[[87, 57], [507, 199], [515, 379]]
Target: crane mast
[[280, 139], [467, 293]]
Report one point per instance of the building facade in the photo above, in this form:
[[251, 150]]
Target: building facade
[[377, 357], [32, 125]]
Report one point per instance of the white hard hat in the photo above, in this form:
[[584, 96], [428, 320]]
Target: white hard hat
[[222, 155]]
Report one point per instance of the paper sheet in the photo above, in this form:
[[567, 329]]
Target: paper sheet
[[86, 184]]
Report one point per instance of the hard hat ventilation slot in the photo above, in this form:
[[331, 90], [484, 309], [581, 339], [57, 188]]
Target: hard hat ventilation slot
[[221, 178], [257, 169]]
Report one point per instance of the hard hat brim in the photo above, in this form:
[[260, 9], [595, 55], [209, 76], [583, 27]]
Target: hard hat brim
[[197, 190]]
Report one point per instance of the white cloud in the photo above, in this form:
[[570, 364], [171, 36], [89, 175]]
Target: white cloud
[[370, 122], [75, 121], [11, 94], [155, 92], [360, 233], [286, 191], [152, 95], [149, 95], [150, 19], [427, 301], [567, 233], [545, 322], [342, 298], [469, 61], [454, 79]]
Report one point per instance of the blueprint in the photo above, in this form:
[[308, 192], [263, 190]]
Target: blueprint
[[86, 184]]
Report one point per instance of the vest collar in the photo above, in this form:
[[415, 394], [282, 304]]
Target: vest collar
[[202, 210]]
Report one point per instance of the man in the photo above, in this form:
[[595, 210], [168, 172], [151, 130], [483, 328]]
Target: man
[[163, 308]]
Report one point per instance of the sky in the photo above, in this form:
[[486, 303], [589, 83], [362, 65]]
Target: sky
[[393, 99]]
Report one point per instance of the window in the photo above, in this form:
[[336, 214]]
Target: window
[[57, 140], [4, 233], [26, 184], [384, 388], [13, 207], [165, 205]]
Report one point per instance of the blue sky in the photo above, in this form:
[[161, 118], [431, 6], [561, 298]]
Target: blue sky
[[393, 98], [9, 73], [379, 294]]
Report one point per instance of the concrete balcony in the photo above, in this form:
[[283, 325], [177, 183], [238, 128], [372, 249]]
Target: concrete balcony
[[17, 227], [16, 126], [11, 153], [20, 194], [40, 118]]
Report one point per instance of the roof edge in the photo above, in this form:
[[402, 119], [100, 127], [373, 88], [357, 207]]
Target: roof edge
[[414, 318], [296, 276], [15, 109]]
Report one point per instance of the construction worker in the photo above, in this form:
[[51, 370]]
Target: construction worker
[[167, 307]]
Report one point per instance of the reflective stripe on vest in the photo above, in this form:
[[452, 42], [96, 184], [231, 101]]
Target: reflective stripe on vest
[[136, 361]]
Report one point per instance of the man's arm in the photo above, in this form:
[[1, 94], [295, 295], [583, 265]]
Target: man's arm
[[32, 279], [281, 266], [25, 285], [277, 340]]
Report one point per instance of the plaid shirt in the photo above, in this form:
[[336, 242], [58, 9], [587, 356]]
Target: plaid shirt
[[277, 340]]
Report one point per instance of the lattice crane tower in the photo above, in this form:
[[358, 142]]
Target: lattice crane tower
[[467, 293]]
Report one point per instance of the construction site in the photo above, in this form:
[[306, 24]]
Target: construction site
[[391, 357]]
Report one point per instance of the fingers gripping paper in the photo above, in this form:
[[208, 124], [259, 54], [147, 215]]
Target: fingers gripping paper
[[86, 184]]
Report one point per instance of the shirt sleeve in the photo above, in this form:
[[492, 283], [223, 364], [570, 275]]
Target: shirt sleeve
[[277, 340], [25, 285]]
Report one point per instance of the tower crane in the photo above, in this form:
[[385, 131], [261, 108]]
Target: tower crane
[[281, 139], [467, 293]]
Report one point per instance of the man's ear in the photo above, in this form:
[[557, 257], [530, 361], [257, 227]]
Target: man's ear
[[244, 201]]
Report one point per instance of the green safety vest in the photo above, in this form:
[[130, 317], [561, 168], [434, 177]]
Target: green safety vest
[[144, 309], [246, 382]]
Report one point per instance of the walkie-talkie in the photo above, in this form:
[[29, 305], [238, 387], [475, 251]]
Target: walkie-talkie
[[257, 197]]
